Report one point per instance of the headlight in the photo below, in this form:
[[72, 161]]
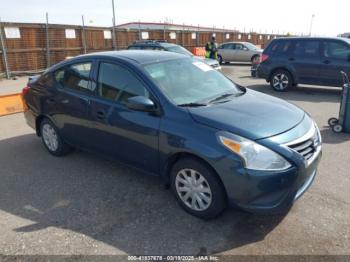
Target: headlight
[[255, 156]]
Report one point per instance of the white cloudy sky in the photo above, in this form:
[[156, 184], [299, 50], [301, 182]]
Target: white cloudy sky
[[294, 16]]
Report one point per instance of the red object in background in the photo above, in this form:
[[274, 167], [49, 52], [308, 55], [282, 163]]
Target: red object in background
[[198, 51]]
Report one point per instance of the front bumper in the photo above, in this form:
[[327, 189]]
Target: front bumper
[[266, 192]]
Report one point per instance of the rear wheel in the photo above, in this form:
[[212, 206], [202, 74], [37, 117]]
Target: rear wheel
[[281, 80], [197, 188], [337, 128], [220, 59], [52, 140], [255, 59]]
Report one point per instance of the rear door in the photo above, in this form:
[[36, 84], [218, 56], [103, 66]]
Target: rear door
[[306, 61], [335, 58], [226, 51], [128, 135], [71, 102]]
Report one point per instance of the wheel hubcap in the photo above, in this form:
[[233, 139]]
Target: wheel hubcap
[[193, 189], [50, 137], [280, 81]]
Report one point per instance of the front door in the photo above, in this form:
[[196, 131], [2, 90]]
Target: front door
[[127, 135], [334, 60]]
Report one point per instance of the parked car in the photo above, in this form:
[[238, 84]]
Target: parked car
[[165, 46], [214, 142], [238, 52], [287, 62]]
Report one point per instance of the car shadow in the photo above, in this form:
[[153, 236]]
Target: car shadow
[[302, 93], [248, 64], [112, 203], [329, 137]]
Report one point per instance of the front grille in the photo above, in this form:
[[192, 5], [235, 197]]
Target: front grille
[[306, 148], [308, 145]]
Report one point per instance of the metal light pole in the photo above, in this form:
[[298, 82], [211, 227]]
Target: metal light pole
[[311, 23], [114, 33]]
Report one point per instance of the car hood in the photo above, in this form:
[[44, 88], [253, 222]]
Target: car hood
[[253, 115]]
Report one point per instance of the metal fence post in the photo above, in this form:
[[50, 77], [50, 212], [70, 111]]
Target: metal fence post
[[139, 31], [83, 36], [4, 53], [48, 59]]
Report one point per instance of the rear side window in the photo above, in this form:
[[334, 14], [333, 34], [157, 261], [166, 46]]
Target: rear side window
[[118, 84], [307, 48], [279, 47], [75, 77], [45, 80], [336, 50]]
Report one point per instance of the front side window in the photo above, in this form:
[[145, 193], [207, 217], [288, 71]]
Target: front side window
[[75, 77], [337, 50], [118, 84], [307, 48], [189, 80]]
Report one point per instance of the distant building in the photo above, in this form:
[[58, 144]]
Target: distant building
[[170, 27], [346, 35]]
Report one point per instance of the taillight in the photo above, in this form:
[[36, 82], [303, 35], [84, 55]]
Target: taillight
[[263, 58], [25, 90]]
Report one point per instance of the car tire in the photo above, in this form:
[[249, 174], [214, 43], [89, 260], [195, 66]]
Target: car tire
[[255, 59], [337, 128], [281, 80], [333, 121], [220, 59], [51, 139], [197, 188]]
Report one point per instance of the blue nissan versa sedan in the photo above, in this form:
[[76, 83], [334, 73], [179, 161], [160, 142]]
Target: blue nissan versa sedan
[[214, 142]]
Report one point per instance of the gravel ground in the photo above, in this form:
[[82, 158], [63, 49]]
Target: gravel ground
[[81, 204]]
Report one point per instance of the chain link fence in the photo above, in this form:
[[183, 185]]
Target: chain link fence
[[31, 48]]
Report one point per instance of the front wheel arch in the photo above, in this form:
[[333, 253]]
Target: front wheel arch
[[181, 155]]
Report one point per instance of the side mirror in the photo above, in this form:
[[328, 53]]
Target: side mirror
[[141, 103], [245, 49]]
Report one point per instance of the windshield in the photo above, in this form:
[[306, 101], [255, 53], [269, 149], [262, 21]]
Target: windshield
[[187, 81], [177, 49], [251, 46]]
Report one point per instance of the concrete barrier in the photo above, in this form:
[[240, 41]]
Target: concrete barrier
[[11, 104]]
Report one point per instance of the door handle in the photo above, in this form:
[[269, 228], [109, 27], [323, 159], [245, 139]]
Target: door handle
[[291, 59], [326, 62], [50, 100], [101, 115]]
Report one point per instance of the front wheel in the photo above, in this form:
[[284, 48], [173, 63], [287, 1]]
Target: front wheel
[[197, 188], [52, 140], [333, 121], [281, 80]]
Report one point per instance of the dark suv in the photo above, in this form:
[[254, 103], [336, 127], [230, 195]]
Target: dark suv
[[287, 62], [163, 45]]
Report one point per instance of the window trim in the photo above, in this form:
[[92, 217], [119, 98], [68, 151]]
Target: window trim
[[324, 42], [152, 96], [72, 63]]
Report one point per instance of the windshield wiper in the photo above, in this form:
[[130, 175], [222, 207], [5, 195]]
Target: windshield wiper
[[192, 105], [221, 97]]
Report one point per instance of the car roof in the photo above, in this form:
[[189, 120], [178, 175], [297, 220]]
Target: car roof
[[136, 56], [312, 38]]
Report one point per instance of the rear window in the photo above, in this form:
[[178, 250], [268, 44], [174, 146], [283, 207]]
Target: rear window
[[279, 47]]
